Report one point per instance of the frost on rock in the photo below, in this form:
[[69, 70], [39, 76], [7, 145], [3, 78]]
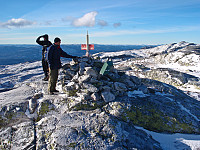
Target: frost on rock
[[100, 112]]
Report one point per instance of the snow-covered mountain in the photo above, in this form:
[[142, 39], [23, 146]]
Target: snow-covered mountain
[[150, 100]]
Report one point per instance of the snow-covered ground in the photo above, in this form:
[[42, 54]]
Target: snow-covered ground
[[175, 141], [168, 141], [21, 77]]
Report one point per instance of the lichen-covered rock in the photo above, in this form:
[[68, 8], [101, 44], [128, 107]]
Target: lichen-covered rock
[[73, 131], [17, 137], [23, 136], [5, 138]]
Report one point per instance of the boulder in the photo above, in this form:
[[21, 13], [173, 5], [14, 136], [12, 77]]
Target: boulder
[[144, 89], [106, 88], [70, 86], [90, 88], [83, 95], [70, 72], [108, 96], [130, 84], [81, 67], [91, 72], [120, 86], [33, 102], [135, 80], [84, 78]]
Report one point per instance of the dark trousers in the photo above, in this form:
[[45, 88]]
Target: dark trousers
[[45, 67], [53, 77]]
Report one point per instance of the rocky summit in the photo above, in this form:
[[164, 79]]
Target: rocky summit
[[95, 111]]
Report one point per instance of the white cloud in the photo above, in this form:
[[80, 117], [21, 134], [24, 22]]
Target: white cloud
[[102, 23], [16, 23], [88, 20], [117, 25]]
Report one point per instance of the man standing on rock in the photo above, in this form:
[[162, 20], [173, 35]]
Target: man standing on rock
[[54, 54]]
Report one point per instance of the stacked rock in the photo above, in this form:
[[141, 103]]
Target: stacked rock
[[82, 79]]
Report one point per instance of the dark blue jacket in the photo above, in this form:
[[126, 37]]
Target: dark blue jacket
[[54, 54]]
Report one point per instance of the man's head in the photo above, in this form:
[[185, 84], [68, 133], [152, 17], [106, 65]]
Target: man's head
[[57, 41]]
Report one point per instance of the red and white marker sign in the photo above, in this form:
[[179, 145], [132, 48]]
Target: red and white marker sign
[[84, 47]]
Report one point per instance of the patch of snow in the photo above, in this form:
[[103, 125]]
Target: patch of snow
[[195, 95], [175, 141], [192, 57], [42, 120], [167, 47], [190, 88], [17, 108], [195, 70]]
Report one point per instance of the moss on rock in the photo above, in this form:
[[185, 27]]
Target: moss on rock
[[88, 106], [155, 120]]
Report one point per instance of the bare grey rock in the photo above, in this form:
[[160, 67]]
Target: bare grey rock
[[91, 72], [23, 136], [82, 68], [108, 96], [120, 86], [171, 77], [144, 89], [135, 80], [90, 88], [84, 78], [130, 84], [71, 73]]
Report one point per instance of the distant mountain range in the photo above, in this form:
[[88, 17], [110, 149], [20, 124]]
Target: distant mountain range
[[14, 54]]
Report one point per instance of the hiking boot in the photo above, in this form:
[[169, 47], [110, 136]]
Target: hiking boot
[[46, 78], [55, 91], [50, 93]]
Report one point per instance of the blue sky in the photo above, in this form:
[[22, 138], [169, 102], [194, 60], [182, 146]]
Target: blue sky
[[108, 21]]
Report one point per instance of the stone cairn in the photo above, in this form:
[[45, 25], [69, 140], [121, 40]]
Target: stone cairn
[[83, 83]]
